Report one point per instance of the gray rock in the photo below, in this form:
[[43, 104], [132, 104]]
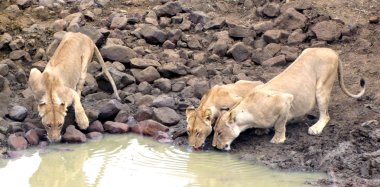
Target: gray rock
[[241, 32], [122, 116], [327, 30], [153, 35], [96, 126], [164, 101], [174, 35], [277, 60], [263, 26], [5, 39], [144, 63], [118, 53], [17, 43], [110, 109], [32, 137], [149, 74], [94, 135], [216, 23], [194, 43], [296, 37], [259, 56], [144, 88], [220, 47], [143, 113], [164, 21], [199, 71], [275, 36], [271, 10], [240, 51], [163, 84], [177, 19], [18, 113], [168, 45], [95, 35], [185, 25], [73, 135], [103, 3], [151, 18], [24, 3], [4, 69], [121, 79], [149, 127], [198, 17], [171, 69], [168, 9], [17, 142], [166, 115], [200, 88], [59, 25], [115, 127], [119, 22], [291, 19], [18, 54]]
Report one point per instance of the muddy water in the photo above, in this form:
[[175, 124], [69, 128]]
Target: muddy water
[[129, 160]]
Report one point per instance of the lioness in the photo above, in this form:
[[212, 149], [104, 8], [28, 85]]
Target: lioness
[[289, 95], [60, 84], [200, 120]]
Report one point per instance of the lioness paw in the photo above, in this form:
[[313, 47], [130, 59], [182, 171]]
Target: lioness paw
[[315, 130], [82, 120], [278, 140]]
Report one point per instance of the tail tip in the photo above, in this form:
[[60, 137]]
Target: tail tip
[[362, 82]]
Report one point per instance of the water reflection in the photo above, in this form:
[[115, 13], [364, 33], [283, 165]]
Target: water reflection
[[135, 161]]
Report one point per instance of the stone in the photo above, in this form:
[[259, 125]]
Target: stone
[[32, 137], [121, 79], [216, 23], [144, 63], [94, 135], [151, 18], [18, 113], [118, 53], [296, 37], [168, 45], [152, 34], [103, 3], [262, 26], [5, 39], [166, 115], [374, 19], [171, 69], [163, 84], [164, 21], [185, 25], [239, 32], [114, 41], [110, 109], [177, 19], [240, 51], [122, 116], [4, 69], [24, 3], [164, 101], [96, 126], [174, 35], [3, 81], [143, 113], [89, 16], [291, 19], [149, 127], [259, 56], [17, 43], [277, 60], [18, 54], [199, 71], [271, 10], [149, 74], [194, 43], [59, 25], [275, 36], [73, 135], [220, 47], [198, 17], [200, 88], [21, 76], [115, 127], [162, 137], [168, 9], [96, 36], [17, 142], [144, 87], [327, 30], [119, 22]]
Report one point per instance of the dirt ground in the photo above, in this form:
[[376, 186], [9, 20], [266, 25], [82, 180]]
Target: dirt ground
[[347, 150]]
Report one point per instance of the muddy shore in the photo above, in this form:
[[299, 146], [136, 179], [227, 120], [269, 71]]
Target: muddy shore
[[165, 54]]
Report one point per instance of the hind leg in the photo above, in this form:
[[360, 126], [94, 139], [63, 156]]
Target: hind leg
[[83, 75], [323, 93]]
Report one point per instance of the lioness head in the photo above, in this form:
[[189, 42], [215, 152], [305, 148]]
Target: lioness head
[[49, 94], [226, 130], [198, 126]]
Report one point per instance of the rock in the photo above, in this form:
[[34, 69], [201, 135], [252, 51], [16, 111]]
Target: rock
[[3, 138], [4, 69], [121, 79], [119, 22], [220, 47], [143, 113], [271, 10], [24, 3], [162, 137], [174, 35], [291, 19], [296, 37], [144, 87], [96, 36], [185, 25], [115, 127], [21, 76], [2, 83], [263, 26], [164, 101], [151, 18], [194, 43], [18, 113], [171, 69], [17, 142], [149, 74], [18, 54], [216, 23], [88, 15], [278, 60], [259, 56], [198, 17], [148, 127], [17, 43], [73, 135], [163, 84], [199, 71], [122, 116], [110, 109], [166, 115], [374, 19], [5, 39], [275, 36], [241, 32], [327, 30], [103, 3], [153, 35], [200, 88], [59, 25], [94, 135], [32, 137], [240, 51], [96, 126], [177, 19], [168, 45], [168, 9], [144, 63], [118, 53]]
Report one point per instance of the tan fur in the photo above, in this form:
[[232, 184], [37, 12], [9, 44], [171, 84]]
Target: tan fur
[[291, 94], [200, 120], [62, 81]]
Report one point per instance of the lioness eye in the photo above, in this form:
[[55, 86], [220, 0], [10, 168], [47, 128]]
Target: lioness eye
[[60, 125], [48, 126]]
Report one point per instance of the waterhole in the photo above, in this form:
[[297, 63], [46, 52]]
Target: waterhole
[[131, 160]]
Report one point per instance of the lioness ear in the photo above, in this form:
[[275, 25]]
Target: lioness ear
[[190, 110], [232, 117], [34, 81], [207, 114]]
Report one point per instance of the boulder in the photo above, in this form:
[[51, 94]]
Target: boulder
[[73, 135], [4, 69], [239, 32], [96, 126], [216, 23], [296, 37], [168, 9], [291, 19], [162, 137], [32, 137], [166, 115], [198, 17], [164, 101], [17, 142], [327, 30], [275, 36], [163, 84], [151, 18], [18, 113], [122, 116], [149, 74], [144, 63], [152, 34], [115, 127], [171, 69], [271, 10], [149, 127], [59, 25], [119, 22], [110, 109], [5, 39], [94, 135], [262, 26], [118, 53], [240, 51], [200, 88], [143, 113], [277, 60]]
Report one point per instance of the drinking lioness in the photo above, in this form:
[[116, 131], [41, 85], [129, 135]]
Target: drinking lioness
[[292, 93]]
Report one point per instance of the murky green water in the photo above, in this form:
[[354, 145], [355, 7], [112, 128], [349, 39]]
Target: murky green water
[[130, 160]]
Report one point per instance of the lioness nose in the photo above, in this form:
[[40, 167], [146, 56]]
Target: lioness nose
[[226, 146]]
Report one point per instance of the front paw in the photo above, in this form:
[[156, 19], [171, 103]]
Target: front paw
[[278, 139], [82, 120]]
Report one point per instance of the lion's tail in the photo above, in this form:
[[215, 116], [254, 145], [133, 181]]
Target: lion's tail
[[105, 70], [342, 85]]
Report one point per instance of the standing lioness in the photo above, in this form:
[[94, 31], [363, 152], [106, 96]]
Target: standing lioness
[[200, 120], [291, 94], [61, 83]]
